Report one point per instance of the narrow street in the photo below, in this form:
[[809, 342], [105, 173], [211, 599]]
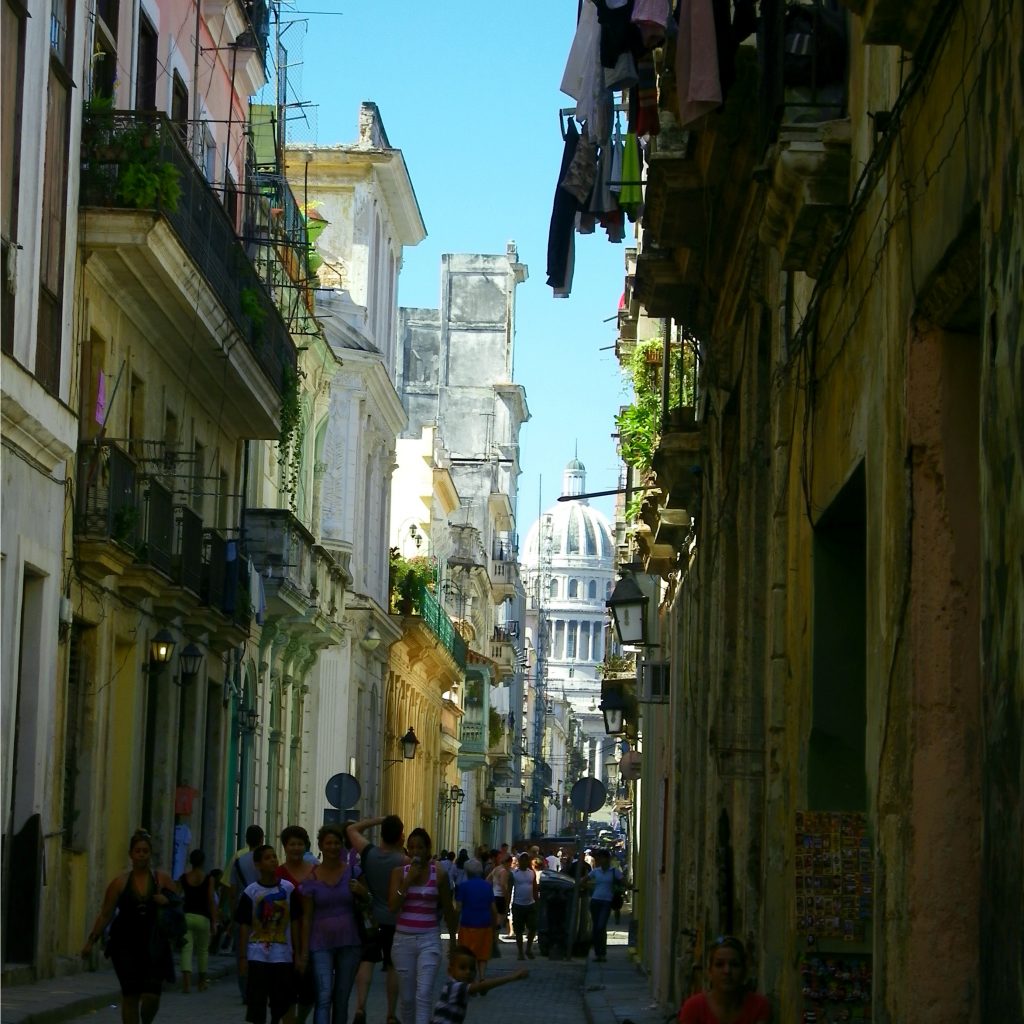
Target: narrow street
[[556, 987]]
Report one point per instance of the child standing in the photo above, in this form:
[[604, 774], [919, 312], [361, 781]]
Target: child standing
[[459, 986], [268, 914]]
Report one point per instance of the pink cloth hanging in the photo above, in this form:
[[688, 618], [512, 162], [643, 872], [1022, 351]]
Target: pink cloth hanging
[[700, 89], [651, 17]]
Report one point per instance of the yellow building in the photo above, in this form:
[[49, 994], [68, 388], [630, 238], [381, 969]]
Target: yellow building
[[835, 512]]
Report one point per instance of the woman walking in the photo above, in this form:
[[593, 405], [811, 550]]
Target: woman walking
[[141, 955], [200, 911], [478, 916], [525, 893], [330, 935], [603, 881], [296, 869], [418, 894]]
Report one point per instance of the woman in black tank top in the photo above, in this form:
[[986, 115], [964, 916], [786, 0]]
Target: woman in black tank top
[[200, 910]]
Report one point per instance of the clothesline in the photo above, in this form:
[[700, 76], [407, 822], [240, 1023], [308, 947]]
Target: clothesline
[[564, 112]]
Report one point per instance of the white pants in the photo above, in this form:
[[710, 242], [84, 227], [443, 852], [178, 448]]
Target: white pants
[[416, 958]]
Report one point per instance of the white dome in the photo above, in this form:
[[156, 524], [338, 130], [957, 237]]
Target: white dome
[[576, 530]]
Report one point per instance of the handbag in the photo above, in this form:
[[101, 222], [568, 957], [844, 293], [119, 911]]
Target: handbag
[[170, 919]]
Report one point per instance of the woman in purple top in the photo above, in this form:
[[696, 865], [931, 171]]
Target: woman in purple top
[[330, 935]]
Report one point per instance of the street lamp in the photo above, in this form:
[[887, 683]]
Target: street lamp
[[371, 640], [250, 719], [409, 745], [189, 662], [613, 707], [161, 647], [458, 794], [628, 605]]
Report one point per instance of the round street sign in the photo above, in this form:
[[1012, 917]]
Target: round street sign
[[343, 790], [588, 795]]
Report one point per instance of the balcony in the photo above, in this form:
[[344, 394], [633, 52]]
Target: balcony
[[467, 551], [809, 193], [437, 621], [504, 568], [503, 652], [302, 583], [107, 509], [246, 23], [158, 240], [224, 590]]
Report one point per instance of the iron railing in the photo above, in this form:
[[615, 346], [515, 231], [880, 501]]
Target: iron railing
[[441, 626], [188, 550], [803, 55], [108, 506], [157, 535], [133, 160], [215, 554]]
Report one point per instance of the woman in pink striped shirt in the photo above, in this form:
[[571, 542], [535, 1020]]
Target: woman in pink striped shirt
[[418, 895]]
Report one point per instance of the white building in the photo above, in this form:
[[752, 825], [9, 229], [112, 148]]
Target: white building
[[567, 569], [364, 193]]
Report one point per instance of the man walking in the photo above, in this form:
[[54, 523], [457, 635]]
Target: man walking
[[378, 863], [240, 873]]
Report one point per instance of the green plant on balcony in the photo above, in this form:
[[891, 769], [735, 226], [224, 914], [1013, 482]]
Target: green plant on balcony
[[289, 441], [249, 300], [495, 727], [408, 578], [149, 184], [124, 524], [639, 424]]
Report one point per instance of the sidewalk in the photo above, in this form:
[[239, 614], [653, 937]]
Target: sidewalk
[[617, 991], [60, 999]]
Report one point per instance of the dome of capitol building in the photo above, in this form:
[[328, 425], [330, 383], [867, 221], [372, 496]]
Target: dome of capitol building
[[566, 563]]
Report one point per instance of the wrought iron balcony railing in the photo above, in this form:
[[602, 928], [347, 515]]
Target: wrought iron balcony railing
[[187, 559], [441, 626], [108, 503], [139, 161]]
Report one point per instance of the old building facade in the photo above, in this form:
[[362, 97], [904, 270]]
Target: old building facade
[[836, 523]]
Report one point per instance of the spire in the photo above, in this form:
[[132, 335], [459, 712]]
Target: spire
[[574, 479]]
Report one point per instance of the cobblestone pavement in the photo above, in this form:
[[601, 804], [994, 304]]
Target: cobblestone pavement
[[553, 994]]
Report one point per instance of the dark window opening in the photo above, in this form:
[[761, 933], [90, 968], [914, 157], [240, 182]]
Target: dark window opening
[[108, 12], [836, 779], [145, 82], [179, 107]]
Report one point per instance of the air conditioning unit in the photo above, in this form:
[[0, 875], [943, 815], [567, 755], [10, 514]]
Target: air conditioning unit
[[654, 682]]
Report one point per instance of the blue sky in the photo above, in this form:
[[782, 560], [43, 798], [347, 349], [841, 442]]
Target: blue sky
[[469, 93]]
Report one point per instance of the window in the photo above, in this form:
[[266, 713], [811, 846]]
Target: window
[[54, 201], [12, 41], [179, 106], [553, 588], [592, 590], [231, 199], [570, 640], [145, 80], [104, 49], [209, 154], [574, 588]]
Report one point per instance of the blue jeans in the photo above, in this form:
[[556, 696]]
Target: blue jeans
[[599, 913], [334, 971]]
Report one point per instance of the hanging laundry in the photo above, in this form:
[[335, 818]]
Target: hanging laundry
[[579, 178], [563, 217], [700, 89], [631, 195], [651, 18], [583, 78], [618, 33], [647, 121], [603, 207]]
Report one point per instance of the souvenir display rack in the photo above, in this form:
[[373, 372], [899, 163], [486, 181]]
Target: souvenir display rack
[[834, 884]]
